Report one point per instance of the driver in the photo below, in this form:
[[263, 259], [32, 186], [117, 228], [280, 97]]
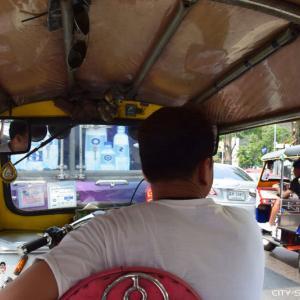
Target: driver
[[216, 249], [19, 137]]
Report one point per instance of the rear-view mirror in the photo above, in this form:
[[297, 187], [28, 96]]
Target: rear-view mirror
[[15, 136]]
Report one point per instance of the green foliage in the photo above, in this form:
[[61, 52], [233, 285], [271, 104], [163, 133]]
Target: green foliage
[[253, 140]]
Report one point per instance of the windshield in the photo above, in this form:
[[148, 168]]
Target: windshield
[[222, 171], [272, 170], [95, 164]]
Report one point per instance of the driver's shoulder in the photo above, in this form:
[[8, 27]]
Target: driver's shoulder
[[241, 216]]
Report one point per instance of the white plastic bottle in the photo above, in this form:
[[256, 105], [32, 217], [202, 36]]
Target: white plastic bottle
[[121, 148], [35, 160], [94, 143], [107, 158]]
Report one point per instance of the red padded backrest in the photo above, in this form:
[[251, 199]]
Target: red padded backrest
[[93, 287]]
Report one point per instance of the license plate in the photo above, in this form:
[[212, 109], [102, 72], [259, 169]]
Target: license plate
[[236, 196]]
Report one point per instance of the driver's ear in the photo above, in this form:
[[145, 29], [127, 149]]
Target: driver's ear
[[205, 171]]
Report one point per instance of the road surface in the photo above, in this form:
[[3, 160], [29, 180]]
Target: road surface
[[282, 278]]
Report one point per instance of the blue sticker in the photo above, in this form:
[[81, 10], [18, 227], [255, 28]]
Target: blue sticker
[[107, 157], [95, 141]]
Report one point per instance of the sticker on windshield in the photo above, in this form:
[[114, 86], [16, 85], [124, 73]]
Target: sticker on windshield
[[61, 194], [31, 195]]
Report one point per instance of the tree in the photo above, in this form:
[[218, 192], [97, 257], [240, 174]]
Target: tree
[[229, 145], [296, 132], [254, 140]]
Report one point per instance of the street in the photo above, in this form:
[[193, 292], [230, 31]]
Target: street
[[282, 278]]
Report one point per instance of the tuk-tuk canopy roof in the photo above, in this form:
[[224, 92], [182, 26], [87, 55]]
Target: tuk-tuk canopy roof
[[238, 61], [275, 155], [292, 152]]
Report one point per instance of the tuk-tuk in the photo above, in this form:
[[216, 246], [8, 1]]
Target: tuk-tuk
[[275, 178], [83, 74]]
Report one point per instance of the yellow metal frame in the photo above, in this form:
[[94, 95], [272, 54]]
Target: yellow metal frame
[[48, 109], [38, 109], [146, 110], [8, 219], [12, 221]]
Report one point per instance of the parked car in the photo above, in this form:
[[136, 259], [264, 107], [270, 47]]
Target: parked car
[[233, 186], [254, 173]]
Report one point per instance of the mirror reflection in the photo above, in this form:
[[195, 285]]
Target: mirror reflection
[[14, 136]]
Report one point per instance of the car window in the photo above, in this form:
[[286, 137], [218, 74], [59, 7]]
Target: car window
[[230, 172], [254, 176], [95, 164]]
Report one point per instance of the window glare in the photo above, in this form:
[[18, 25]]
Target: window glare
[[230, 172]]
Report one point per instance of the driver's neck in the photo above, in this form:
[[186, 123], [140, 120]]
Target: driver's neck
[[177, 189]]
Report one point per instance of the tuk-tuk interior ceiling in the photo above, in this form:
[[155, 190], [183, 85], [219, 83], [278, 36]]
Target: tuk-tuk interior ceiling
[[210, 40]]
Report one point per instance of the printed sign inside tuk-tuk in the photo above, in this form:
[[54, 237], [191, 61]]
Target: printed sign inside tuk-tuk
[[61, 194], [31, 195]]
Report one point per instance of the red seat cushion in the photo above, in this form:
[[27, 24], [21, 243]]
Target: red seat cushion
[[93, 287]]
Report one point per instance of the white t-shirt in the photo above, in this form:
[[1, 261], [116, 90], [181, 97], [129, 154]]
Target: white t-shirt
[[216, 249]]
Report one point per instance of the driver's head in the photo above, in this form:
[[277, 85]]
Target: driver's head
[[19, 136], [296, 166], [177, 143]]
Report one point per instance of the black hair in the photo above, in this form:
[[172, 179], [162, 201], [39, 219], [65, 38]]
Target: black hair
[[17, 127], [2, 263], [296, 164], [173, 141]]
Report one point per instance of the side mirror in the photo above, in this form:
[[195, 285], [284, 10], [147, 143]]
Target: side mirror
[[38, 132], [59, 131], [15, 136]]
